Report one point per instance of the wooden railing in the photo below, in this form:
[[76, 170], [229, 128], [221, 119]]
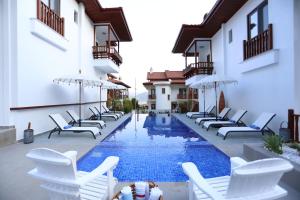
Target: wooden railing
[[106, 52], [293, 125], [181, 96], [152, 96], [199, 68], [259, 44], [50, 18]]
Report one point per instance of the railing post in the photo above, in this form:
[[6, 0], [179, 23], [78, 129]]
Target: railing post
[[38, 9], [244, 44], [291, 122], [270, 38]]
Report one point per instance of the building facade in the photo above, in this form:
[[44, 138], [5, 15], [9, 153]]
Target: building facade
[[255, 42], [167, 92], [42, 40]]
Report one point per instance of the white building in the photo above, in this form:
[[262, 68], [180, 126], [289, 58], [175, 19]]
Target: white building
[[256, 42], [46, 39], [167, 92]]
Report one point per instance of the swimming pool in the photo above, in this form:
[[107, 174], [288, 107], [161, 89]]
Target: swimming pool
[[153, 148]]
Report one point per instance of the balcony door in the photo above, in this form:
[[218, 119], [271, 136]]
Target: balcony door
[[199, 51], [54, 5]]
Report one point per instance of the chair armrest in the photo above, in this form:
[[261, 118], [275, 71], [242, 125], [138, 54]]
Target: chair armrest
[[197, 179], [72, 155], [108, 164], [236, 162]]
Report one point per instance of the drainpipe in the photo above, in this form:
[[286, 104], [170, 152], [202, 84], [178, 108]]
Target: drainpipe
[[80, 35]]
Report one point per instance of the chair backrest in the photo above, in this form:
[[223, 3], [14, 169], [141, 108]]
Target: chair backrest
[[93, 110], [105, 108], [73, 115], [257, 177], [51, 165], [57, 173], [224, 112], [59, 120], [238, 115], [210, 109], [263, 120]]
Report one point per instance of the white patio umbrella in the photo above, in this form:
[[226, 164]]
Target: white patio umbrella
[[214, 81], [199, 85], [82, 81]]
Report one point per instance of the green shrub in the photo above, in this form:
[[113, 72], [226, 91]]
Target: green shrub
[[183, 107], [273, 143], [127, 106], [117, 105]]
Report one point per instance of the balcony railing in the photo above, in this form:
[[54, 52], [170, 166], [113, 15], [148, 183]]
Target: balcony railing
[[199, 68], [181, 96], [152, 96], [259, 44], [50, 18], [106, 52]]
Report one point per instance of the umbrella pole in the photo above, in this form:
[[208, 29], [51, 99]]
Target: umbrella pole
[[204, 102], [80, 85], [100, 102], [216, 100], [114, 101]]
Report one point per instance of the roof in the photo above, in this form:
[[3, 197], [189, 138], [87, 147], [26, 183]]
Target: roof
[[114, 16], [118, 82], [176, 77], [221, 12]]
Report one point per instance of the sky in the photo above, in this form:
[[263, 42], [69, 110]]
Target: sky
[[154, 26]]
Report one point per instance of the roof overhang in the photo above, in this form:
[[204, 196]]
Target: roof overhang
[[113, 16], [221, 12]]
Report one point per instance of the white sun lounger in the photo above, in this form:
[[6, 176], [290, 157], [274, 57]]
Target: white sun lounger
[[260, 125], [63, 126], [200, 114], [233, 121], [96, 114], [257, 180], [75, 119], [104, 113], [221, 116], [58, 175], [110, 111]]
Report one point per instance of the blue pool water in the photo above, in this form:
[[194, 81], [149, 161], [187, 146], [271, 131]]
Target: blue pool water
[[153, 148]]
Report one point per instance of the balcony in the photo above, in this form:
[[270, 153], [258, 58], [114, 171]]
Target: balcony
[[199, 68], [181, 96], [151, 96], [50, 18], [259, 44], [107, 52]]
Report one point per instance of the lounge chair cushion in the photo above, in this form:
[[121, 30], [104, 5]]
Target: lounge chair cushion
[[67, 127], [224, 130], [209, 123], [254, 127]]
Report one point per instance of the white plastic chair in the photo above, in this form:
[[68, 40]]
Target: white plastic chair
[[208, 110], [259, 126], [110, 111], [60, 178], [221, 116], [234, 120], [76, 119], [256, 180], [63, 126]]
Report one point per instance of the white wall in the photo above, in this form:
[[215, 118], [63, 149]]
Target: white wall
[[297, 53], [162, 102], [262, 90], [40, 62]]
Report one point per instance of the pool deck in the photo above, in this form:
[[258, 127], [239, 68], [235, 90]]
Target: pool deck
[[15, 184]]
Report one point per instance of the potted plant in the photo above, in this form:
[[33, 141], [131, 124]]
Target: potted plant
[[273, 143]]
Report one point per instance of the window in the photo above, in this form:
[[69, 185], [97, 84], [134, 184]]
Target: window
[[168, 97], [54, 5], [230, 36], [153, 106], [75, 16], [182, 91], [258, 20], [152, 91], [163, 90]]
